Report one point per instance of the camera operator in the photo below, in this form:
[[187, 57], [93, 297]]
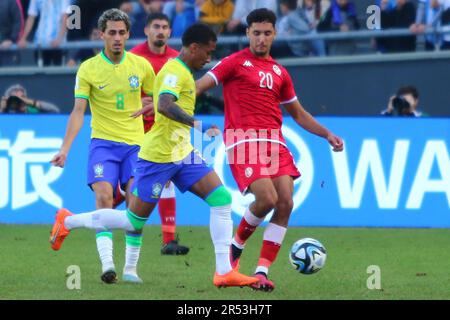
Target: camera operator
[[15, 100], [404, 103]]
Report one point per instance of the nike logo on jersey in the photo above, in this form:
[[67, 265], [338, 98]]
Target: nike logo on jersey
[[247, 64], [103, 87]]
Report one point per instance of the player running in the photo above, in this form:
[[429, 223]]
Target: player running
[[157, 52], [254, 86], [167, 154], [112, 82]]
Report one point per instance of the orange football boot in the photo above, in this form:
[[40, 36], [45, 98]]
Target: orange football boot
[[233, 279], [59, 231]]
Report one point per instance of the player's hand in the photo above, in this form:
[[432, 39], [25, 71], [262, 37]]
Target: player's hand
[[147, 111], [59, 159], [335, 142], [213, 131]]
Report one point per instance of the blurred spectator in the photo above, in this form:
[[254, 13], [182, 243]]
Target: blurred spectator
[[386, 4], [314, 10], [341, 16], [403, 15], [295, 22], [428, 15], [404, 103], [84, 54], [51, 29], [91, 11], [156, 6], [242, 8], [15, 100], [11, 27], [445, 22], [138, 12], [216, 13], [182, 14]]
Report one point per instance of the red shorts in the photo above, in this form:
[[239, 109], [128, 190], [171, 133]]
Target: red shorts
[[148, 123], [251, 161]]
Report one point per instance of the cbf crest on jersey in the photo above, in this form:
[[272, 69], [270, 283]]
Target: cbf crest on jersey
[[98, 169], [156, 190], [134, 82]]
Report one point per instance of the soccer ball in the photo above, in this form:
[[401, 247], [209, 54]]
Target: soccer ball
[[307, 255]]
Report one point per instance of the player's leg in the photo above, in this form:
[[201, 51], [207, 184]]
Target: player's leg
[[131, 219], [138, 213], [133, 239], [148, 182], [201, 180], [103, 176], [249, 170], [119, 196], [265, 200], [104, 238], [275, 230], [167, 213], [283, 174]]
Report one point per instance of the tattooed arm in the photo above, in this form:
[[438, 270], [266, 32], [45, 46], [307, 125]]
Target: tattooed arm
[[168, 108]]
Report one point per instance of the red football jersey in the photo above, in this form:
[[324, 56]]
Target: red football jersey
[[157, 61], [253, 89]]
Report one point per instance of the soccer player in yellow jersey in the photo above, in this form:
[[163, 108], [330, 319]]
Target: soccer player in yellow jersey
[[167, 154], [112, 82]]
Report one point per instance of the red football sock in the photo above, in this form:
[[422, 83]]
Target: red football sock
[[247, 226], [166, 208], [244, 231], [269, 252]]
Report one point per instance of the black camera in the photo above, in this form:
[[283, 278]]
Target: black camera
[[15, 104], [401, 106]]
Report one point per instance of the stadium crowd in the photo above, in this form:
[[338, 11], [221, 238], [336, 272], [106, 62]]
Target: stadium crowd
[[44, 23]]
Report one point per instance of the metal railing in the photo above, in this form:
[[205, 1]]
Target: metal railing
[[242, 40]]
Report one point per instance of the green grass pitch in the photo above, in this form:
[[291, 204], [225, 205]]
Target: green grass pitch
[[414, 264]]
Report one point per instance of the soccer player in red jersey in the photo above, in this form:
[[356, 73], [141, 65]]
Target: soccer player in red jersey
[[254, 87], [157, 52]]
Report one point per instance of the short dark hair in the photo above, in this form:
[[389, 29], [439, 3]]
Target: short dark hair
[[198, 33], [156, 16], [261, 15], [113, 15], [290, 4], [409, 90]]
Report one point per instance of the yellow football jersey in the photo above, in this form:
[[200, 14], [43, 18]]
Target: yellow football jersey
[[169, 140], [114, 94]]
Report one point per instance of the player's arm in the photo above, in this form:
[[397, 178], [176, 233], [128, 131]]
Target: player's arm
[[73, 127], [307, 122], [168, 108], [204, 83]]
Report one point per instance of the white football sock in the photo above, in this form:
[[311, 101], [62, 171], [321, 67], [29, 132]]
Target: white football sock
[[105, 251], [102, 219], [132, 251], [221, 230]]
